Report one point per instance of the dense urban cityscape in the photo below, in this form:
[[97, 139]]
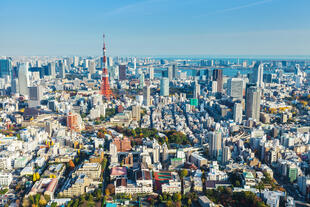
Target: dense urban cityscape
[[154, 103], [109, 131]]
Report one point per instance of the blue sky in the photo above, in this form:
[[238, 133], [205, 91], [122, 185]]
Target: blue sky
[[155, 27]]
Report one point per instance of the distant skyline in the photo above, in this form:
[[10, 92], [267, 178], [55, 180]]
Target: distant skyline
[[155, 27]]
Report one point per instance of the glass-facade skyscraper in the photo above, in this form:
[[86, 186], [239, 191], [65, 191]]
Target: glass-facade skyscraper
[[5, 68]]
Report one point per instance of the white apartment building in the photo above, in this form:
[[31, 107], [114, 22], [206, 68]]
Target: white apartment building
[[5, 179]]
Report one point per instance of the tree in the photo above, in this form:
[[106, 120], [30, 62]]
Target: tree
[[164, 197], [178, 204], [37, 176], [90, 197], [107, 192], [70, 203], [177, 197], [42, 201], [189, 202], [98, 193], [76, 203], [238, 183], [169, 204], [34, 178], [37, 199], [152, 201], [54, 204], [26, 202], [260, 187], [183, 173], [71, 164], [31, 199], [111, 188]]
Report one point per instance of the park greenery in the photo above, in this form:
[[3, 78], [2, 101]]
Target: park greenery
[[175, 199], [226, 197], [169, 137]]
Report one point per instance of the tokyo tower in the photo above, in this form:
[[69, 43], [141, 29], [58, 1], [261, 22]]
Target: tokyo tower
[[105, 86]]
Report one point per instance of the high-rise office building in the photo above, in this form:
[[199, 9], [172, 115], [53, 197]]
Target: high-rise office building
[[110, 61], [196, 90], [257, 76], [35, 96], [23, 79], [170, 72], [214, 87], [147, 95], [156, 153], [238, 113], [122, 70], [85, 63], [174, 71], [235, 88], [151, 73], [62, 70], [218, 77], [164, 87], [141, 81], [226, 155], [136, 113], [164, 74], [14, 86], [215, 145], [51, 69], [115, 72], [134, 61], [76, 61], [208, 74], [253, 99], [5, 68], [92, 67]]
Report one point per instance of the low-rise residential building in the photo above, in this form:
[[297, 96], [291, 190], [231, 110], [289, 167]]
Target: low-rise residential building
[[45, 186], [5, 179], [78, 186], [91, 170]]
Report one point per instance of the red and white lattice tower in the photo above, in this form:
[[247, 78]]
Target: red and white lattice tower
[[105, 89]]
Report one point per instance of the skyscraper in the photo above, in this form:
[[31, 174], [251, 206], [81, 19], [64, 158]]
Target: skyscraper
[[226, 155], [147, 95], [218, 77], [156, 152], [136, 113], [134, 61], [235, 88], [23, 79], [196, 89], [170, 73], [76, 61], [110, 62], [253, 99], [164, 87], [5, 68], [141, 81], [174, 71], [122, 72], [14, 86], [91, 67], [62, 70], [257, 76], [151, 73], [215, 145], [35, 96], [51, 69], [238, 113]]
